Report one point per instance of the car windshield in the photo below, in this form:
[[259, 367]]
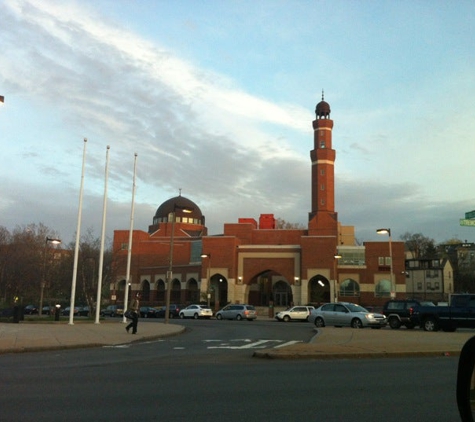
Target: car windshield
[[356, 308]]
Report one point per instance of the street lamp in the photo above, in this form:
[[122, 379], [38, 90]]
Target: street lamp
[[391, 278], [337, 256], [172, 216], [54, 241], [208, 292]]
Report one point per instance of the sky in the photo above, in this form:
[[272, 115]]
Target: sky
[[217, 99]]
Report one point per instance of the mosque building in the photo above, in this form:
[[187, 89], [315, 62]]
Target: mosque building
[[254, 262]]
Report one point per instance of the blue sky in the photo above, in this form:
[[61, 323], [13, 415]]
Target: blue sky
[[217, 98]]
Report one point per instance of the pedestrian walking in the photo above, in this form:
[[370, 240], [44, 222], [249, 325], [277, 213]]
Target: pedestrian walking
[[134, 310]]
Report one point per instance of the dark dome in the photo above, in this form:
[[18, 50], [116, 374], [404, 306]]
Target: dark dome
[[323, 109], [177, 205]]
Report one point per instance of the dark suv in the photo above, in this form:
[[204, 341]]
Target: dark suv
[[174, 311], [398, 312]]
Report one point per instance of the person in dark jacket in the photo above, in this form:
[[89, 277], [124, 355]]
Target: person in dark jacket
[[134, 309]]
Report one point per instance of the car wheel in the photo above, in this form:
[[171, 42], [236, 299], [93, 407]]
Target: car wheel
[[319, 322], [182, 316], [219, 316], [430, 324], [112, 315], [239, 317], [356, 323], [286, 318], [394, 323], [170, 316], [195, 316]]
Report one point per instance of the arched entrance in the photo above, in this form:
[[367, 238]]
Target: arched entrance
[[264, 288], [282, 294], [192, 292], [175, 294], [218, 291], [145, 291], [161, 291], [319, 290]]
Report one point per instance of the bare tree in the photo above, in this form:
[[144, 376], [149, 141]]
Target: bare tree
[[419, 245], [285, 225]]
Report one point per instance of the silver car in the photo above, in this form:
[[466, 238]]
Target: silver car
[[346, 314], [238, 312], [196, 311]]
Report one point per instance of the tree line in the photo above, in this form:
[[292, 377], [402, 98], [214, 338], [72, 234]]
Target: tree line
[[30, 264]]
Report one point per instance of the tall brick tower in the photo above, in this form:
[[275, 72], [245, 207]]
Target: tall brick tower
[[323, 220]]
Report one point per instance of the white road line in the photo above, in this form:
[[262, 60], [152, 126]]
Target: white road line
[[116, 346], [289, 343]]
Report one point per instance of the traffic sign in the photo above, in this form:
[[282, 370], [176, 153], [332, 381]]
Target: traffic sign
[[466, 222], [470, 214]]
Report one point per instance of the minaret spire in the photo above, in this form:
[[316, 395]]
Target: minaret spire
[[323, 218]]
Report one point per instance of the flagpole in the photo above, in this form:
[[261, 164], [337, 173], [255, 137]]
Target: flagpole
[[103, 236], [78, 236], [129, 250]]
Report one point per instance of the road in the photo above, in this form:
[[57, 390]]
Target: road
[[209, 374]]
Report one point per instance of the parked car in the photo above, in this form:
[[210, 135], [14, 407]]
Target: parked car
[[83, 311], [148, 312], [295, 313], [113, 310], [30, 310], [238, 312], [346, 314], [174, 311], [398, 312], [66, 311], [48, 310], [196, 311]]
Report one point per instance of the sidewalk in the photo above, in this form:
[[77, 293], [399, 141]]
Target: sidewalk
[[31, 337], [339, 343], [328, 342]]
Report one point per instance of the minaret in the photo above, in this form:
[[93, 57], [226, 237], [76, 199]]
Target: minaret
[[323, 220]]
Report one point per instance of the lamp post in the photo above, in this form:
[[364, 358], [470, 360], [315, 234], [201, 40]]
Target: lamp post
[[208, 288], [54, 241], [172, 216], [391, 277], [337, 256]]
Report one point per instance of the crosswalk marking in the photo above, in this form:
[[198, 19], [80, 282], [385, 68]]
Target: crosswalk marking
[[260, 344]]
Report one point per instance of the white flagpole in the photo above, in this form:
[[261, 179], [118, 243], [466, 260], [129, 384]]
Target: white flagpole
[[103, 236], [78, 236], [129, 251]]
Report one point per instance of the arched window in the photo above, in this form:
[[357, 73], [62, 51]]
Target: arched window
[[349, 287], [383, 289], [146, 291]]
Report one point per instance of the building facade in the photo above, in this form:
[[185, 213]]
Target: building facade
[[252, 261]]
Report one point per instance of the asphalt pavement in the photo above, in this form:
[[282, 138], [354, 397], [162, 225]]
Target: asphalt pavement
[[328, 342]]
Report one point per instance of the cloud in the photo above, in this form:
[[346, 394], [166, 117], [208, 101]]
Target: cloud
[[233, 153]]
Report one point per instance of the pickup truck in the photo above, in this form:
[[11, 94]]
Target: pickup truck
[[459, 314]]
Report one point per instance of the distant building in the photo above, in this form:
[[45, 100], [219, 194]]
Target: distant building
[[429, 279], [252, 261]]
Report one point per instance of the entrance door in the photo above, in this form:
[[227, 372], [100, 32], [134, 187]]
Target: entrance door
[[281, 299]]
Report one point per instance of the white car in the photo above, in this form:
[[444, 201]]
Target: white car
[[295, 313], [196, 311]]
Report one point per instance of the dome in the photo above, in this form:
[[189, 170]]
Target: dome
[[323, 109], [178, 204]]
